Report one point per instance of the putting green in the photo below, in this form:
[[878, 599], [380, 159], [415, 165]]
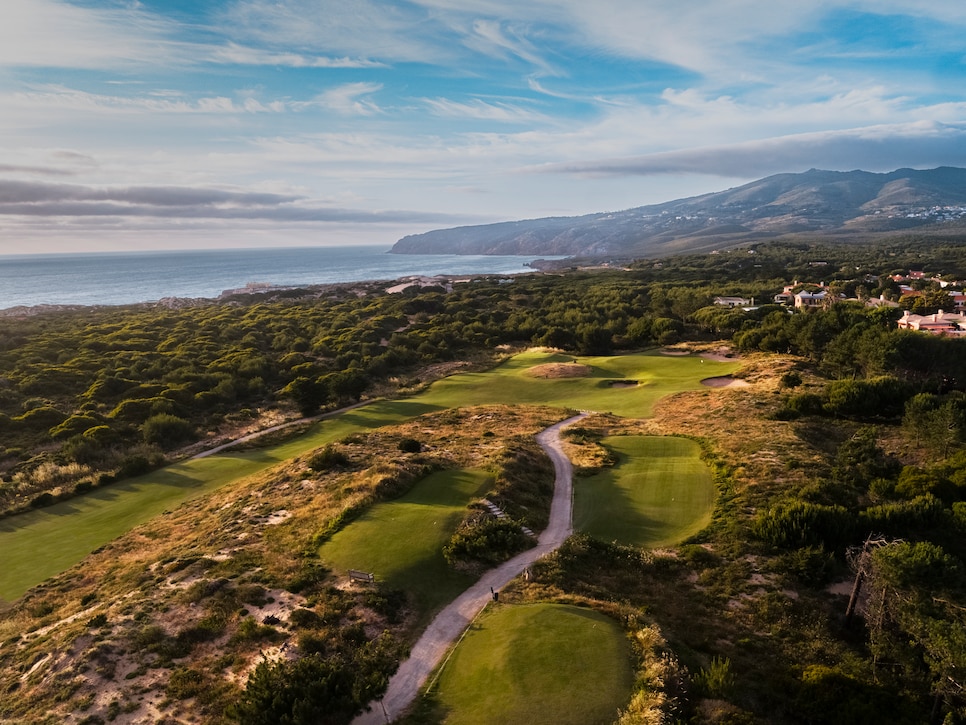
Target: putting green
[[513, 383], [537, 664], [39, 544], [659, 493], [401, 541]]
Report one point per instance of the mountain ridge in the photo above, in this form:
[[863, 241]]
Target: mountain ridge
[[840, 202]]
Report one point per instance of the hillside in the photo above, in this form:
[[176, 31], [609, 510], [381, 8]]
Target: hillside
[[850, 202]]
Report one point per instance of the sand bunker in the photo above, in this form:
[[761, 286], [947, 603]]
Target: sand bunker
[[673, 351], [622, 383], [560, 370], [725, 381]]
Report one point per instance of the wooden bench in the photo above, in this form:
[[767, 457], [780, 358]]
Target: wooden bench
[[361, 576]]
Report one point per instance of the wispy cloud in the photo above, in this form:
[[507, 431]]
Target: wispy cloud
[[479, 109], [18, 198], [350, 99], [57, 34], [874, 148], [38, 170], [241, 55]]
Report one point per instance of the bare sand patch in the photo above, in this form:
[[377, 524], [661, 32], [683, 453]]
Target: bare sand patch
[[725, 381], [559, 370], [622, 383]]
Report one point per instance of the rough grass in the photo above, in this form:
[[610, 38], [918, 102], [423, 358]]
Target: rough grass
[[402, 541], [659, 493], [536, 664]]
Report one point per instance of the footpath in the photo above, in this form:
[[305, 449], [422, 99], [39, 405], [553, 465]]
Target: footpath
[[450, 623]]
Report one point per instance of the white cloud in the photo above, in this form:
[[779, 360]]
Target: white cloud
[[56, 34], [234, 53], [481, 110], [349, 99], [873, 148]]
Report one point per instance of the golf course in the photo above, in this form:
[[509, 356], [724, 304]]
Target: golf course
[[402, 541], [39, 544], [659, 493], [518, 664]]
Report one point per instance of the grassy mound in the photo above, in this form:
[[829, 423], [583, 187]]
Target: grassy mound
[[659, 493], [535, 664], [560, 370]]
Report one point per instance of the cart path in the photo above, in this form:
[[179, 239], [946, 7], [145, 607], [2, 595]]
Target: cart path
[[450, 623], [280, 426]]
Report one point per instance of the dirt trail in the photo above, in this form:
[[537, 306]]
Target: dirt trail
[[451, 621], [280, 426]]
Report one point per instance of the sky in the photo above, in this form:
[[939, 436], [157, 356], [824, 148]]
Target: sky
[[177, 124]]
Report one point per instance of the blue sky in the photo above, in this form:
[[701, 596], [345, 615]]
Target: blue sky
[[187, 124]]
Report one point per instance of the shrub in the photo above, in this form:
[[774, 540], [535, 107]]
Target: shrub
[[716, 680], [486, 541], [184, 683], [327, 459], [167, 430], [791, 379], [410, 445], [800, 523]]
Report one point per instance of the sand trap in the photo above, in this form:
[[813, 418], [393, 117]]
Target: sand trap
[[725, 381], [670, 351], [622, 383], [560, 370]]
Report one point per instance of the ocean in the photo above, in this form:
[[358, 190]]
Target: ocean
[[119, 278]]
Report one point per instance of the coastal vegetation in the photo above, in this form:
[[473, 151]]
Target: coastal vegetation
[[838, 467]]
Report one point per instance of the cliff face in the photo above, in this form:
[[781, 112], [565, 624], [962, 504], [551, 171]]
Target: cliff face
[[813, 201]]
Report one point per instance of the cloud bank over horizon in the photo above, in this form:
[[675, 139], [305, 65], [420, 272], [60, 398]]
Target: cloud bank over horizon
[[153, 124]]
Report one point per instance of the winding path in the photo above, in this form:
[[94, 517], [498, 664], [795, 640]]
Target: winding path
[[455, 618]]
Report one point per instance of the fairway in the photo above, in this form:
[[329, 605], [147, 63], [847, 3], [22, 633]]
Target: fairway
[[511, 383], [39, 544], [540, 664], [659, 493], [402, 541]]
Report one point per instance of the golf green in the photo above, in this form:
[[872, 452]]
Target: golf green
[[401, 541], [540, 664], [659, 493]]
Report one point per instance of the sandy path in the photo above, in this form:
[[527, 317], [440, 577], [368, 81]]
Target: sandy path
[[456, 617]]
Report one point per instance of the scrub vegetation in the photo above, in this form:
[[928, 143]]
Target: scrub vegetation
[[840, 460]]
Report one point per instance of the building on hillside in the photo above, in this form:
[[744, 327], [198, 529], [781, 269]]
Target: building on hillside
[[950, 324], [806, 299], [734, 302], [880, 301]]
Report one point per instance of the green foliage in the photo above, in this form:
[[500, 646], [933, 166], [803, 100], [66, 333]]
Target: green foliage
[[717, 680], [249, 630], [316, 689], [486, 540], [185, 683], [828, 696], [167, 431], [878, 397], [328, 458], [922, 514], [797, 524]]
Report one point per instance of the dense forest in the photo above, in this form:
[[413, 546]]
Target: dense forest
[[868, 485]]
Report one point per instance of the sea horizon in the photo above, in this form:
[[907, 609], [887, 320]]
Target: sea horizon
[[144, 276]]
